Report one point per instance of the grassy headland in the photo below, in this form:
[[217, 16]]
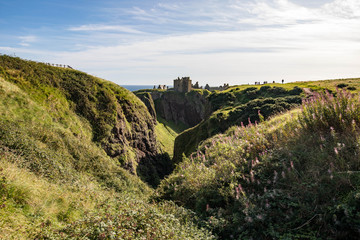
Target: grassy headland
[[59, 176]]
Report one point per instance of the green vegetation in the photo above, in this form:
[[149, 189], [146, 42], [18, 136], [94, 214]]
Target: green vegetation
[[57, 180], [295, 176], [75, 152], [236, 107], [166, 134], [319, 85], [112, 111]]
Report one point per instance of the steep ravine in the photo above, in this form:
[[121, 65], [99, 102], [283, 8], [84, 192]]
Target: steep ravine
[[206, 114], [120, 122]]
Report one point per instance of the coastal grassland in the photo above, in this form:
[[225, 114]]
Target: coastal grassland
[[295, 176], [31, 207], [351, 84], [56, 180], [30, 203], [236, 107]]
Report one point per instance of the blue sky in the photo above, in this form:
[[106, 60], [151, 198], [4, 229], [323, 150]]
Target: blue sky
[[212, 41]]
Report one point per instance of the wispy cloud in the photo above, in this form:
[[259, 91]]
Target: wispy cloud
[[25, 41], [278, 13], [237, 41], [168, 6], [105, 28]]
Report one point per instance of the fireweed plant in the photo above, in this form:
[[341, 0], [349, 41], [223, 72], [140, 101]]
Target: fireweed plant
[[292, 177]]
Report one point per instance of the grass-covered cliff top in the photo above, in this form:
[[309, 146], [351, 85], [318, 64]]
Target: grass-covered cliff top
[[350, 84], [295, 176]]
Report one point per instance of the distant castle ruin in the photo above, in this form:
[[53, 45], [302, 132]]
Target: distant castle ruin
[[182, 84]]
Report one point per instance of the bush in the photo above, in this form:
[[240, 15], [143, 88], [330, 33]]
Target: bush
[[277, 90], [342, 85], [264, 89], [295, 91]]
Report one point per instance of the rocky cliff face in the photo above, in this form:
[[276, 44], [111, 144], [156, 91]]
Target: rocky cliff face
[[132, 138], [182, 108], [147, 99]]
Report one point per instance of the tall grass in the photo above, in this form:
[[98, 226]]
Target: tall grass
[[295, 176], [324, 112]]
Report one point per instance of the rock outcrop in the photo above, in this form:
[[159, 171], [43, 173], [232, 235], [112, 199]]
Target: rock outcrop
[[181, 108]]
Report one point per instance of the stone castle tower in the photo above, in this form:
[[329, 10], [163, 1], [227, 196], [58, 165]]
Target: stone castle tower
[[183, 84]]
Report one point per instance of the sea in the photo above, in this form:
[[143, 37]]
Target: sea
[[137, 87]]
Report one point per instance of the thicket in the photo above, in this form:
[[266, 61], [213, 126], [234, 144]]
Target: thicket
[[295, 176]]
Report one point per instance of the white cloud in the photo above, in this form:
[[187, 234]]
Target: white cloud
[[168, 6], [99, 27], [296, 52], [224, 41], [280, 12], [25, 41], [343, 8]]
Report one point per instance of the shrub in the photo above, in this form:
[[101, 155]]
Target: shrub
[[295, 91], [264, 89], [342, 85], [324, 112], [277, 90]]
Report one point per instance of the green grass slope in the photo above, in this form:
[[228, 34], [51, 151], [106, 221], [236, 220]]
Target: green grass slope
[[350, 84], [117, 119], [236, 106], [58, 179], [295, 176]]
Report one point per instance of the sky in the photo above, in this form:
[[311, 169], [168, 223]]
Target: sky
[[133, 42]]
